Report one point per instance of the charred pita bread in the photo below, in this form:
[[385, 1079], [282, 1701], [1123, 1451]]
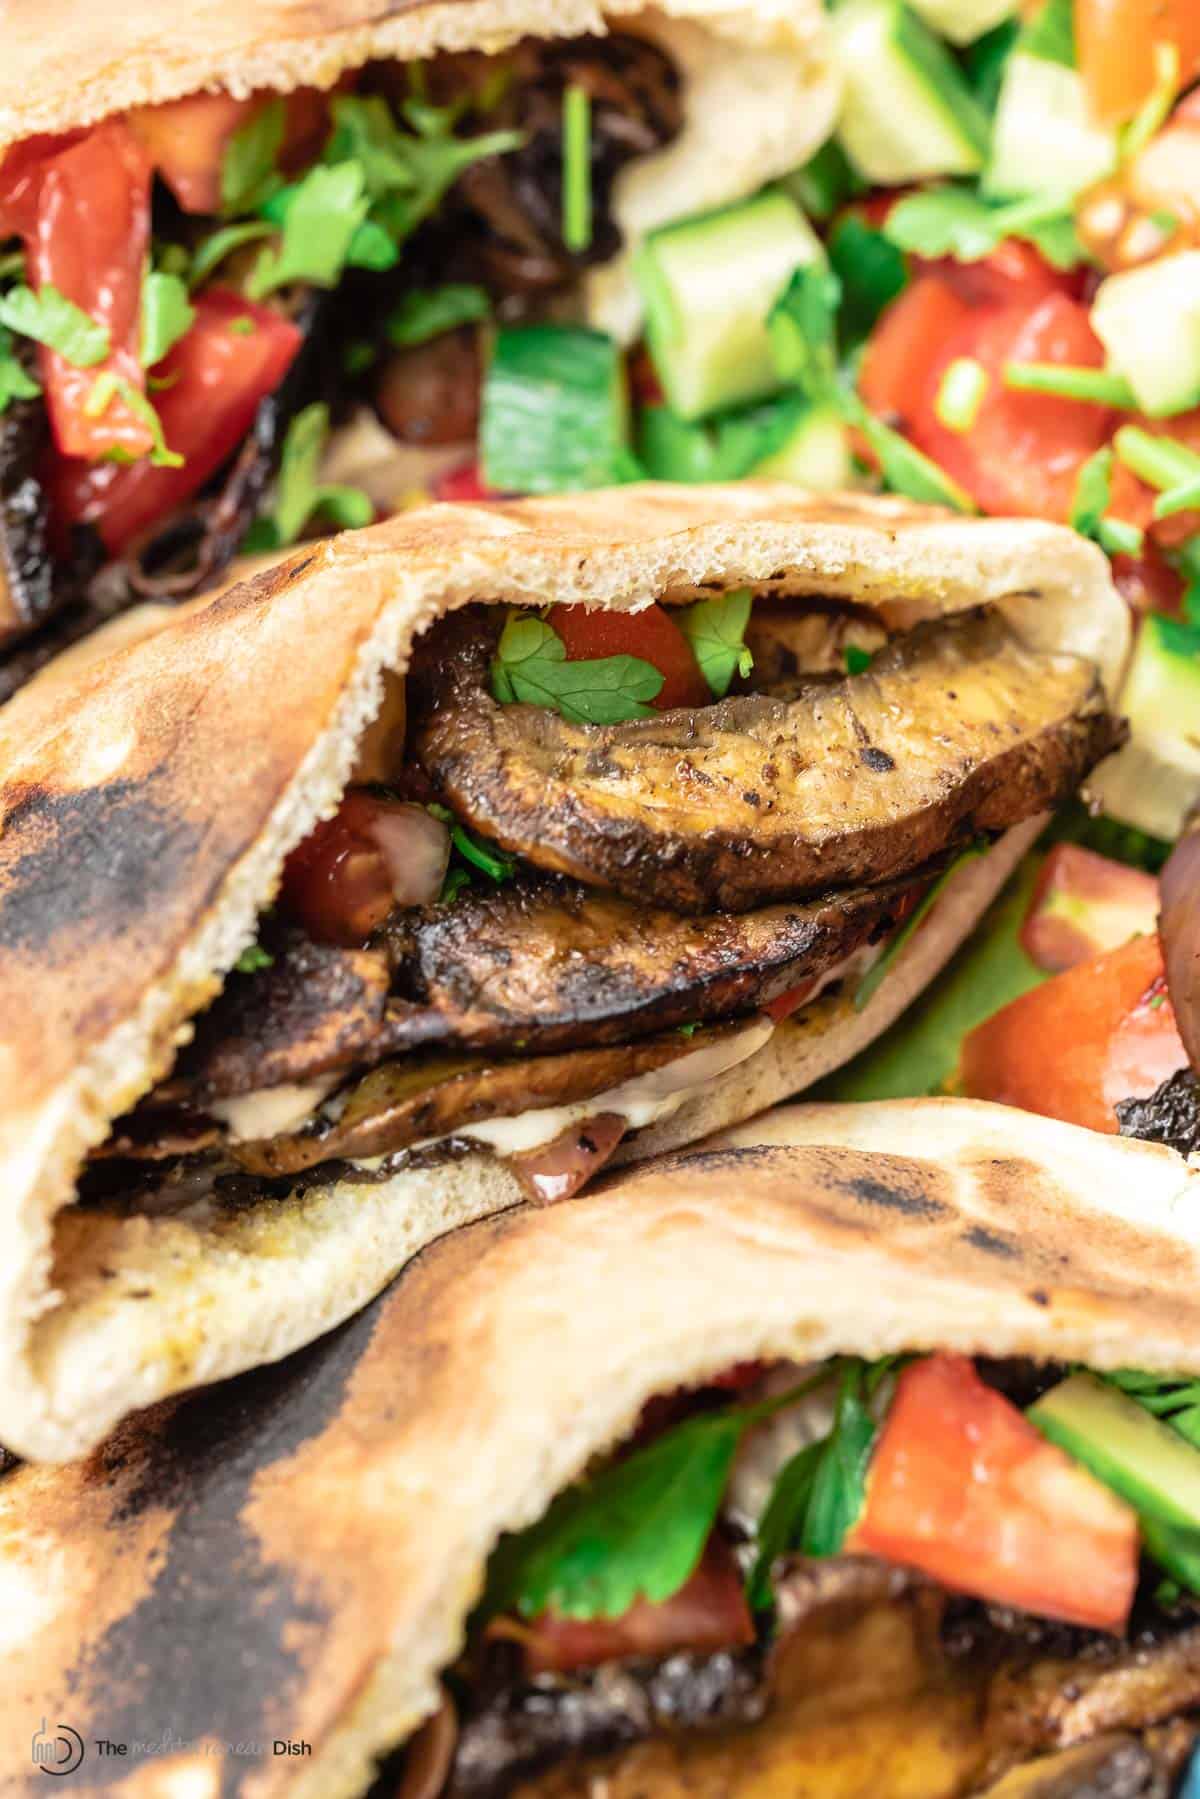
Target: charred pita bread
[[149, 800], [294, 1555]]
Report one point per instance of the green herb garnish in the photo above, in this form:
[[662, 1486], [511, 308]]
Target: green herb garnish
[[298, 492], [167, 315], [51, 319], [249, 173], [15, 382], [716, 630], [319, 215], [254, 958], [577, 169], [905, 469], [531, 666], [428, 312], [223, 243], [957, 222]]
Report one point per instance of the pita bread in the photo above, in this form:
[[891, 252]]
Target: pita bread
[[764, 63], [148, 799], [295, 1554]]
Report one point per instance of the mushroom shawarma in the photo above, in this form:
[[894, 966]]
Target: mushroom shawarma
[[498, 842]]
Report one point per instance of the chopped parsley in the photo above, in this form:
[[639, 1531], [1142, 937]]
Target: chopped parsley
[[531, 666]]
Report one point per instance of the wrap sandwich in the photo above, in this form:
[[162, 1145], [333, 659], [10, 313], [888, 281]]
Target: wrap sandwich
[[859, 1460], [474, 944], [254, 260]]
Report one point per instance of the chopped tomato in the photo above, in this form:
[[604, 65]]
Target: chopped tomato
[[186, 139], [1133, 499], [709, 1612], [905, 344], [354, 868], [651, 634], [1100, 1032], [1023, 453], [1147, 582], [84, 214], [463, 484], [234, 354], [1115, 43], [1084, 904], [1013, 274], [784, 1004], [962, 1486], [21, 170]]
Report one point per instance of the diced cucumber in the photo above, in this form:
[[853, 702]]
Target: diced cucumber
[[1044, 139], [708, 284], [1155, 779], [555, 414], [907, 111], [816, 455], [1126, 1447], [962, 21], [1148, 319]]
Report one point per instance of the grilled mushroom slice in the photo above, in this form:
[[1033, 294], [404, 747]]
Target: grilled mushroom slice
[[956, 729], [27, 594]]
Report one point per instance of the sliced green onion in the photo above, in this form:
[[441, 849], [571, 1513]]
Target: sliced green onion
[[1159, 461], [1157, 105], [1178, 499], [100, 395], [577, 169], [495, 863], [1117, 537], [961, 393], [1069, 383]]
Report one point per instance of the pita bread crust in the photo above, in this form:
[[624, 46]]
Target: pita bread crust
[[172, 817], [85, 62], [345, 1503]]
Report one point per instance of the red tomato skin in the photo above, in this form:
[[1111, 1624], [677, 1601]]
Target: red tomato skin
[[186, 139], [650, 634], [1083, 905], [1014, 274], [1024, 451], [963, 1487], [709, 1612], [463, 484], [336, 883], [217, 377], [1148, 583], [1102, 1031], [88, 234], [905, 345]]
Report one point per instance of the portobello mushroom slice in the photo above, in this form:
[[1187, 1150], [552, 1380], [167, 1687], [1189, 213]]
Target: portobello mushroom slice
[[542, 964], [27, 588], [408, 1102], [956, 729]]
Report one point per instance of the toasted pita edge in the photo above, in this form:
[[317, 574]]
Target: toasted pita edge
[[366, 596], [370, 1486]]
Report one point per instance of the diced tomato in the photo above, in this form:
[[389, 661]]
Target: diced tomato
[[905, 345], [1084, 904], [962, 1486], [186, 139], [84, 214], [1100, 1032], [464, 484], [1115, 42], [784, 1004], [214, 379], [651, 634], [1147, 582], [21, 170], [709, 1612], [1013, 274], [1023, 453]]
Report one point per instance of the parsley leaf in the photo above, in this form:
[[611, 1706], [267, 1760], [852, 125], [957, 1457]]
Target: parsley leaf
[[299, 494], [872, 272], [716, 630], [406, 173], [802, 327], [167, 315], [531, 666], [637, 1529], [223, 243], [320, 215], [428, 312], [254, 958], [15, 382], [1092, 490], [249, 174], [957, 222], [51, 319]]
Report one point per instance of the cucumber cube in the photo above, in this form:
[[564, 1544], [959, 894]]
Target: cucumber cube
[[1148, 320], [907, 111]]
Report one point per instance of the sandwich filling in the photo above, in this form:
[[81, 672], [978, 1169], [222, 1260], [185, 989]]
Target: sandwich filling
[[925, 1574], [568, 888]]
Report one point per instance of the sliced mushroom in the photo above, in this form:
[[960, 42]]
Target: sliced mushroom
[[408, 1102], [553, 963], [27, 586], [956, 729]]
